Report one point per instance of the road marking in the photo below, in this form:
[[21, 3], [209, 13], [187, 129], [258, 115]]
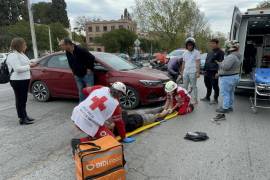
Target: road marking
[[5, 89], [6, 107]]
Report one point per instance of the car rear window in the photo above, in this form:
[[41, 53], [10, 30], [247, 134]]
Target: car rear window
[[115, 62]]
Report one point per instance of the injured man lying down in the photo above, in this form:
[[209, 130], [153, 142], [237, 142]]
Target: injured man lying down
[[177, 100]]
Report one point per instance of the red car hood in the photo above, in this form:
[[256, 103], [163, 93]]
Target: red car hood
[[146, 74]]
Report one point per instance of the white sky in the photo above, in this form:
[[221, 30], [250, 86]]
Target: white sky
[[218, 12]]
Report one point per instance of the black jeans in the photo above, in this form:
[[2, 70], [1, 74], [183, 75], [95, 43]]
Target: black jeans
[[20, 88], [211, 83]]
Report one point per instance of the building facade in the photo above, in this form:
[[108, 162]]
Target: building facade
[[95, 29]]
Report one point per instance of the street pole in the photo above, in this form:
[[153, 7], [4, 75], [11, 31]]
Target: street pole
[[50, 39], [32, 28]]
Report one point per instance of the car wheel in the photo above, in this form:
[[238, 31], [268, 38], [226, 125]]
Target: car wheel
[[131, 100], [40, 91]]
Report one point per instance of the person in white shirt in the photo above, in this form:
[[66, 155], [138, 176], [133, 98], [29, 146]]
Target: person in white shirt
[[191, 67], [19, 67]]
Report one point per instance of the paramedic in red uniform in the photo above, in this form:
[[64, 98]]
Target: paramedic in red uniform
[[116, 91], [178, 99]]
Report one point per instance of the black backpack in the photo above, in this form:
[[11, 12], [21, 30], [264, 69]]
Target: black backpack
[[4, 73], [196, 136]]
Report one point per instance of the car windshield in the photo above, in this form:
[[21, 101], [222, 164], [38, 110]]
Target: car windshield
[[115, 62], [177, 53]]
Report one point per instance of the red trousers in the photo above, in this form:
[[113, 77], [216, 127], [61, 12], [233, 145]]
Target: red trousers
[[185, 108]]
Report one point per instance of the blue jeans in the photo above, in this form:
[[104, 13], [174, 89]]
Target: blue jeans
[[82, 82], [191, 79], [227, 86]]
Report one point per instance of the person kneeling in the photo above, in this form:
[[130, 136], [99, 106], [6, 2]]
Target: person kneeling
[[178, 99], [100, 107]]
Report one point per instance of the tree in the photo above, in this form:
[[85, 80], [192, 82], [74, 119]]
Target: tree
[[80, 22], [12, 11], [264, 4], [119, 40], [58, 12], [173, 20], [21, 29], [41, 11]]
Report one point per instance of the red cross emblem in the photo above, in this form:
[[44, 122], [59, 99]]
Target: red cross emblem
[[98, 103]]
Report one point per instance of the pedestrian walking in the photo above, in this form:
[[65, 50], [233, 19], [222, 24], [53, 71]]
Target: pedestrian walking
[[19, 67], [191, 67], [229, 70], [211, 71], [81, 62]]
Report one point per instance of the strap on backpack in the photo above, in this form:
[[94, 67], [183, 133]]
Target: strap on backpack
[[95, 148]]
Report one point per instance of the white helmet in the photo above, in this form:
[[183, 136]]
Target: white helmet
[[119, 86], [231, 45], [190, 39], [170, 86]]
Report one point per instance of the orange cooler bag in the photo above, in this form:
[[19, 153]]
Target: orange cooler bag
[[101, 159]]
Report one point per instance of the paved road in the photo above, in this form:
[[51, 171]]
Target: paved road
[[238, 149]]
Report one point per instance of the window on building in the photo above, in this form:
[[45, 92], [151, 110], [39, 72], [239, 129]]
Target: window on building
[[112, 27], [121, 26], [97, 29], [91, 39], [90, 29], [128, 27], [105, 28]]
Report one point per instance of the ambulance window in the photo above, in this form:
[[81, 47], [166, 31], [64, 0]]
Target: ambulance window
[[234, 32]]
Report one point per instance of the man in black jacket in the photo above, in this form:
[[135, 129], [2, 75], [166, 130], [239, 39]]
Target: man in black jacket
[[211, 70], [81, 62]]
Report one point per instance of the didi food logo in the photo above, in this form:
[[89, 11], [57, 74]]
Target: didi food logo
[[101, 164]]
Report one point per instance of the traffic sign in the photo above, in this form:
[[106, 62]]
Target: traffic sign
[[137, 42]]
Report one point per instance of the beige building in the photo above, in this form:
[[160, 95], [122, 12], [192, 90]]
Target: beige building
[[96, 29]]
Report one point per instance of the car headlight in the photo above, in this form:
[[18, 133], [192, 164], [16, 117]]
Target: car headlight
[[150, 82]]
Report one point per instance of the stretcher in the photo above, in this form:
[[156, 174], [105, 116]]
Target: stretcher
[[143, 128], [262, 89], [171, 116]]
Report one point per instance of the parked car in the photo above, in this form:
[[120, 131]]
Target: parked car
[[203, 59], [3, 57], [53, 78], [175, 53]]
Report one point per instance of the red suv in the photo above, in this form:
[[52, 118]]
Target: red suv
[[53, 78]]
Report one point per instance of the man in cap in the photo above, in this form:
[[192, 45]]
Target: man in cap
[[229, 75]]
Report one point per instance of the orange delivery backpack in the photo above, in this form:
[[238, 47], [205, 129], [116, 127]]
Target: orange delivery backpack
[[101, 159]]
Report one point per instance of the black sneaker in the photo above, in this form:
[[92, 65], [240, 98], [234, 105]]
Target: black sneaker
[[230, 109], [221, 110], [219, 117], [205, 99]]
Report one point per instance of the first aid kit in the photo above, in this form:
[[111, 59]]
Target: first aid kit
[[101, 159]]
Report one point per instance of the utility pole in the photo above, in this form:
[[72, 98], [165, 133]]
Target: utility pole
[[50, 39], [32, 28]]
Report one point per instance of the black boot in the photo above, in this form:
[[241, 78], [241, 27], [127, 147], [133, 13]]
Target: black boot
[[25, 121], [30, 119]]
